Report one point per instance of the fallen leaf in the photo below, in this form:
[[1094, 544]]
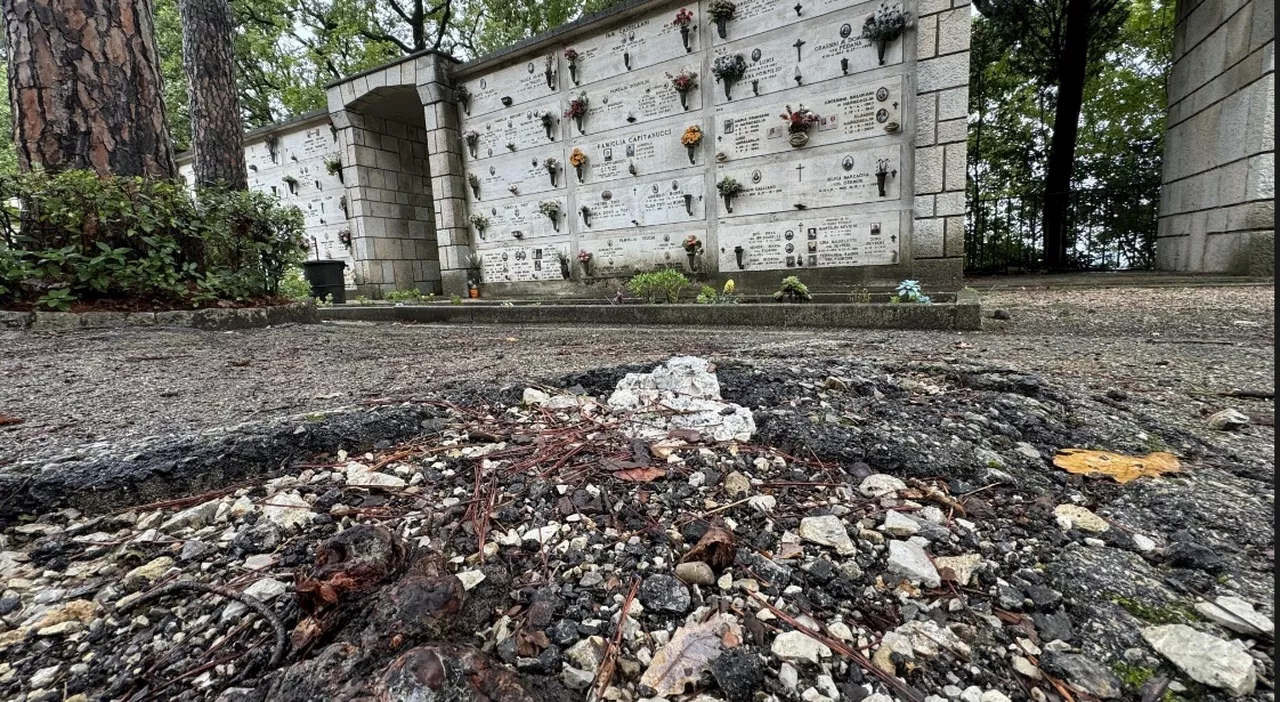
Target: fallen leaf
[[716, 548], [1117, 466], [640, 475], [684, 659], [512, 339], [6, 420]]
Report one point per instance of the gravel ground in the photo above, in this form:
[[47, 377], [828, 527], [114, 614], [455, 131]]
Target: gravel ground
[[1163, 345]]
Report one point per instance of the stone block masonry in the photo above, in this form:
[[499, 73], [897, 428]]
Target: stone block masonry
[[1217, 209]]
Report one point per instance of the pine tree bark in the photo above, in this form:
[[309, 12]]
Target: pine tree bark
[[85, 87], [1066, 131], [217, 133]]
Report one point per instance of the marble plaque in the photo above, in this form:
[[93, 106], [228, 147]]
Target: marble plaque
[[813, 52], [651, 149], [522, 82], [868, 239], [754, 17], [622, 253], [638, 44], [846, 113], [643, 203], [523, 217], [523, 129], [515, 264], [525, 171], [642, 96], [840, 177]]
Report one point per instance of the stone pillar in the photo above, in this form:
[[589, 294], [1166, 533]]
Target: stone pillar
[[942, 129], [1217, 207], [448, 177]]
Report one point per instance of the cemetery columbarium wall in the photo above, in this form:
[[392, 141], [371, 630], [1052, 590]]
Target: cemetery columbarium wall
[[874, 194], [1217, 208]]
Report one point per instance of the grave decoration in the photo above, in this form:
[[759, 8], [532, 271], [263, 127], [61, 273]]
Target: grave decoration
[[472, 138], [683, 82], [551, 209], [577, 159], [721, 11], [883, 26], [571, 58], [728, 69], [577, 111], [728, 187], [684, 20], [799, 122], [462, 95]]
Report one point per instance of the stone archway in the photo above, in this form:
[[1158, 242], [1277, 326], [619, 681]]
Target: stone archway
[[383, 140]]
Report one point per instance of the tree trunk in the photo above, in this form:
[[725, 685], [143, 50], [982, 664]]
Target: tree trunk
[[217, 134], [85, 87], [1066, 128]]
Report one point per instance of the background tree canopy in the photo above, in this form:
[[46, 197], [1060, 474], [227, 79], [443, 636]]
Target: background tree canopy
[[1115, 182]]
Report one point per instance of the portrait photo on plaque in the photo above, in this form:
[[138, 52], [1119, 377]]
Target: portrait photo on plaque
[[812, 233], [875, 229], [813, 247]]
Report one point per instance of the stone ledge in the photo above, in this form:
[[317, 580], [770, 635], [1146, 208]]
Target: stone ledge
[[210, 319], [965, 314]]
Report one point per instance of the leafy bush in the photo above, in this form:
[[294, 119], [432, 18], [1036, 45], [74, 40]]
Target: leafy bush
[[658, 286], [710, 296], [793, 290], [138, 239], [294, 285]]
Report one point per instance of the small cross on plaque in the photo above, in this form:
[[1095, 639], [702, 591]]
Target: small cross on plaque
[[799, 172], [799, 43]]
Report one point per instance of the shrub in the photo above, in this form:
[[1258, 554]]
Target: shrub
[[138, 239], [658, 286], [909, 291], [710, 296], [293, 285], [793, 290]]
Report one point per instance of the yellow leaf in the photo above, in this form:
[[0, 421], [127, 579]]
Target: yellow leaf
[[1117, 466]]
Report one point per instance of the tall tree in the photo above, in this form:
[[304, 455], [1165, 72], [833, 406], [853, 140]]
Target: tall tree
[[217, 134], [85, 87], [1056, 40]]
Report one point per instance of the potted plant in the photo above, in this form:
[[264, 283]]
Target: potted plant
[[691, 138], [586, 215], [548, 123], [884, 25], [571, 57], [577, 110], [721, 11], [474, 272], [474, 181], [683, 82], [728, 69], [553, 169], [472, 137], [584, 261], [333, 165], [684, 20], [463, 96], [577, 159], [551, 208], [564, 264], [798, 124], [692, 248], [481, 223], [728, 188]]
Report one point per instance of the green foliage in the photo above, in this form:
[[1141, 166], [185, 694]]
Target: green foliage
[[412, 295], [362, 300], [708, 295], [658, 286], [909, 290], [455, 299], [860, 296], [141, 239], [793, 290], [1014, 69], [293, 285]]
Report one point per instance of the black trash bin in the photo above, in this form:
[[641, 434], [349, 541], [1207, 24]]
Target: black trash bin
[[325, 277]]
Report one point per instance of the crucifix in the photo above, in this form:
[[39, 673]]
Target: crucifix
[[799, 43], [799, 172]]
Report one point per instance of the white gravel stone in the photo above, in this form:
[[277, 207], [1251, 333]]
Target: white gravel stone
[[898, 524], [471, 578], [1144, 544], [827, 530], [964, 566], [288, 510], [44, 677], [879, 485], [1206, 659], [1081, 518], [909, 559], [360, 476], [994, 696], [682, 393], [534, 397], [795, 645], [1236, 615]]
